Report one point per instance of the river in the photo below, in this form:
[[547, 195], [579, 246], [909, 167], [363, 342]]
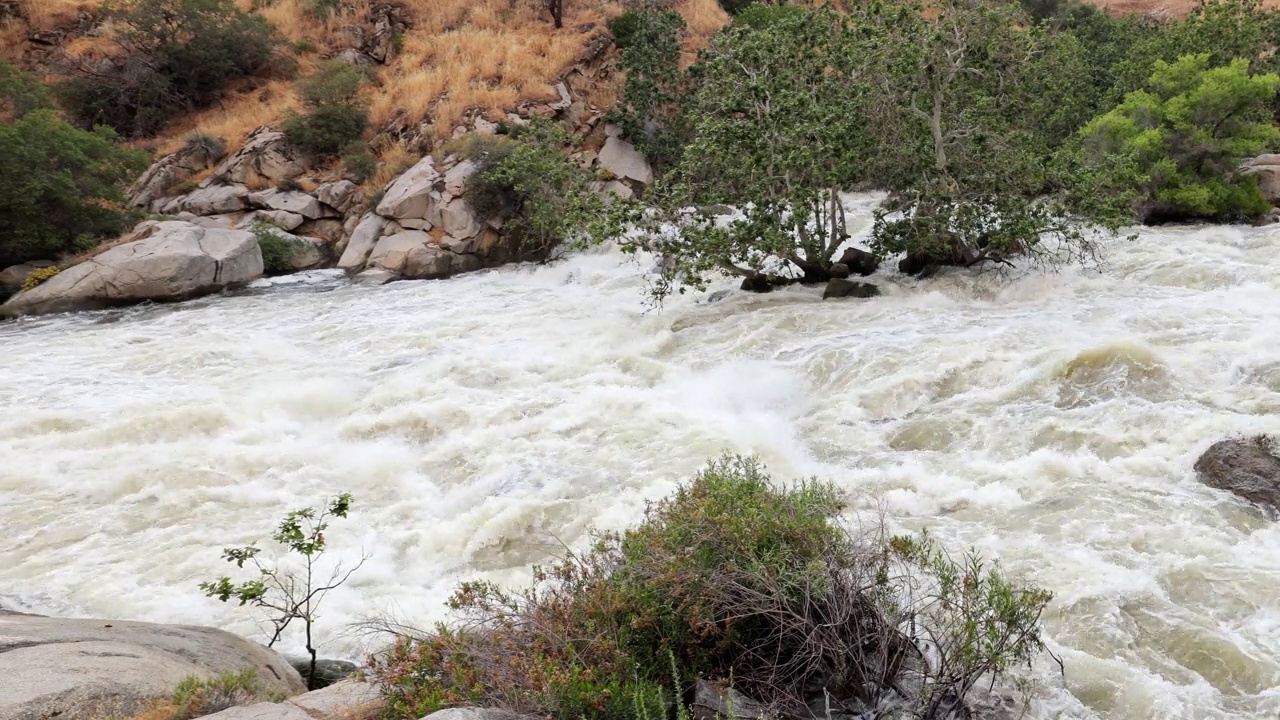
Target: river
[[1050, 421]]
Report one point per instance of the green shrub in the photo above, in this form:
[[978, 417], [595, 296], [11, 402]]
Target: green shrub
[[650, 113], [541, 197], [760, 16], [179, 54], [733, 577], [60, 188], [334, 115], [278, 251], [360, 164], [20, 93], [205, 147], [735, 7], [1179, 142]]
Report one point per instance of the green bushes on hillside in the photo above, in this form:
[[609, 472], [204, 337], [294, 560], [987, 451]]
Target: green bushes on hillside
[[60, 187], [734, 578], [179, 55], [334, 117]]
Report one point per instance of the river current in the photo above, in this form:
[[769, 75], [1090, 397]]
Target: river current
[[1047, 420]]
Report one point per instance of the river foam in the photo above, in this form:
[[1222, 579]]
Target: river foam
[[1050, 421]]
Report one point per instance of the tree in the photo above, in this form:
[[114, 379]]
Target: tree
[[285, 594], [20, 93], [652, 113], [1179, 142], [61, 188], [178, 55], [778, 133], [334, 116], [556, 8], [964, 136]]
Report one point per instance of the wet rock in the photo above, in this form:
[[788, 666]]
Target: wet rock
[[88, 669], [840, 287], [363, 238], [170, 261], [375, 277], [1247, 467], [839, 270], [719, 295], [859, 261], [328, 672], [712, 702], [917, 263], [756, 284]]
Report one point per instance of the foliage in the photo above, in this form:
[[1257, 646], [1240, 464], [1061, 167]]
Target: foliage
[[207, 148], [178, 56], [285, 595], [334, 117], [278, 250], [1179, 142], [360, 164], [195, 697], [525, 182], [60, 187], [650, 114], [736, 7], [39, 275], [735, 577], [20, 93]]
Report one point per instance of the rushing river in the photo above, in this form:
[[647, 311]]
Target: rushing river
[[1050, 421]]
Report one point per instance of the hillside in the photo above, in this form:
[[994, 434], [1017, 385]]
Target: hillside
[[436, 62]]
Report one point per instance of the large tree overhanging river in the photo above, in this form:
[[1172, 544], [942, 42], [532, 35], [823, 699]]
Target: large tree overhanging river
[[1048, 420]]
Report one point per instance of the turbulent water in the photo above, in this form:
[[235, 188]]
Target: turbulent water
[[1050, 421]]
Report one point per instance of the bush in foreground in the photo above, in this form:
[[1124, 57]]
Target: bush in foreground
[[731, 578]]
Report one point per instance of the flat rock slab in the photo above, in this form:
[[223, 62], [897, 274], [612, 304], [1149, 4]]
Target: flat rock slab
[[88, 669], [333, 702], [262, 711]]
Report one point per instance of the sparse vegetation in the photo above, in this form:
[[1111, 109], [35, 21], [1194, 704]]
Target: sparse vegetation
[[732, 576], [278, 251], [205, 147], [286, 594], [334, 114], [195, 697]]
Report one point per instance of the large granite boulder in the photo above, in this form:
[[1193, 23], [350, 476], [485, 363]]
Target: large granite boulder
[[266, 155], [415, 195], [412, 254], [1266, 170], [92, 669], [214, 200], [154, 184], [363, 238], [623, 160], [1247, 467], [293, 201], [169, 261]]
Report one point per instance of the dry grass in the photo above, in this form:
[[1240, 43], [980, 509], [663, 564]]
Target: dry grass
[[391, 163], [239, 114], [49, 14]]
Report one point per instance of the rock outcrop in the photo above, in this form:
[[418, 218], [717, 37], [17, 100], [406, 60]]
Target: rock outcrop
[[1266, 170], [266, 155], [621, 159], [172, 260], [841, 287], [150, 190], [91, 669], [1247, 467], [340, 701]]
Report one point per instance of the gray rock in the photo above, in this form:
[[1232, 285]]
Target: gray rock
[[615, 187], [840, 270], [89, 669], [840, 287], [328, 671], [363, 238], [458, 220], [455, 178], [282, 219], [719, 295], [267, 154], [624, 161], [475, 713], [711, 702], [168, 171], [337, 700], [859, 261], [1247, 467], [412, 254], [342, 195], [169, 261], [293, 201], [261, 711], [414, 194], [216, 200], [375, 277], [351, 56]]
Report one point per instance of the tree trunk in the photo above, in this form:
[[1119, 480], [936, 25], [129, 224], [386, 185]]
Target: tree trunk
[[557, 12]]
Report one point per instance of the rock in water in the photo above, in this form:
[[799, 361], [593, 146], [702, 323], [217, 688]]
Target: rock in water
[[840, 287], [1248, 467], [859, 261], [173, 260], [328, 672], [90, 669], [840, 270], [756, 284]]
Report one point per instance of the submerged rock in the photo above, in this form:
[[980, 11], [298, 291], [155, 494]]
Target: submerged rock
[[840, 287], [90, 669], [859, 261], [172, 260], [756, 284], [1248, 467]]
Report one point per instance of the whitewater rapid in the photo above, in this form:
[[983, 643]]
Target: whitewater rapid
[[1050, 421]]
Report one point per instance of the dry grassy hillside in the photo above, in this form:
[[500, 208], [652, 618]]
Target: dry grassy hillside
[[454, 58]]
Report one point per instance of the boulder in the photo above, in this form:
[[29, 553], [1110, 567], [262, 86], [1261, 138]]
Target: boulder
[[282, 219], [342, 195], [294, 201], [352, 56], [12, 277], [412, 254], [165, 173], [1248, 467], [476, 713], [623, 160], [840, 287], [328, 228], [362, 241], [712, 702], [216, 200], [1267, 173], [455, 178], [416, 194], [839, 270], [328, 672], [261, 711], [90, 669], [756, 283], [337, 700], [171, 261], [859, 261], [614, 187], [374, 277], [308, 253], [458, 220], [267, 154]]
